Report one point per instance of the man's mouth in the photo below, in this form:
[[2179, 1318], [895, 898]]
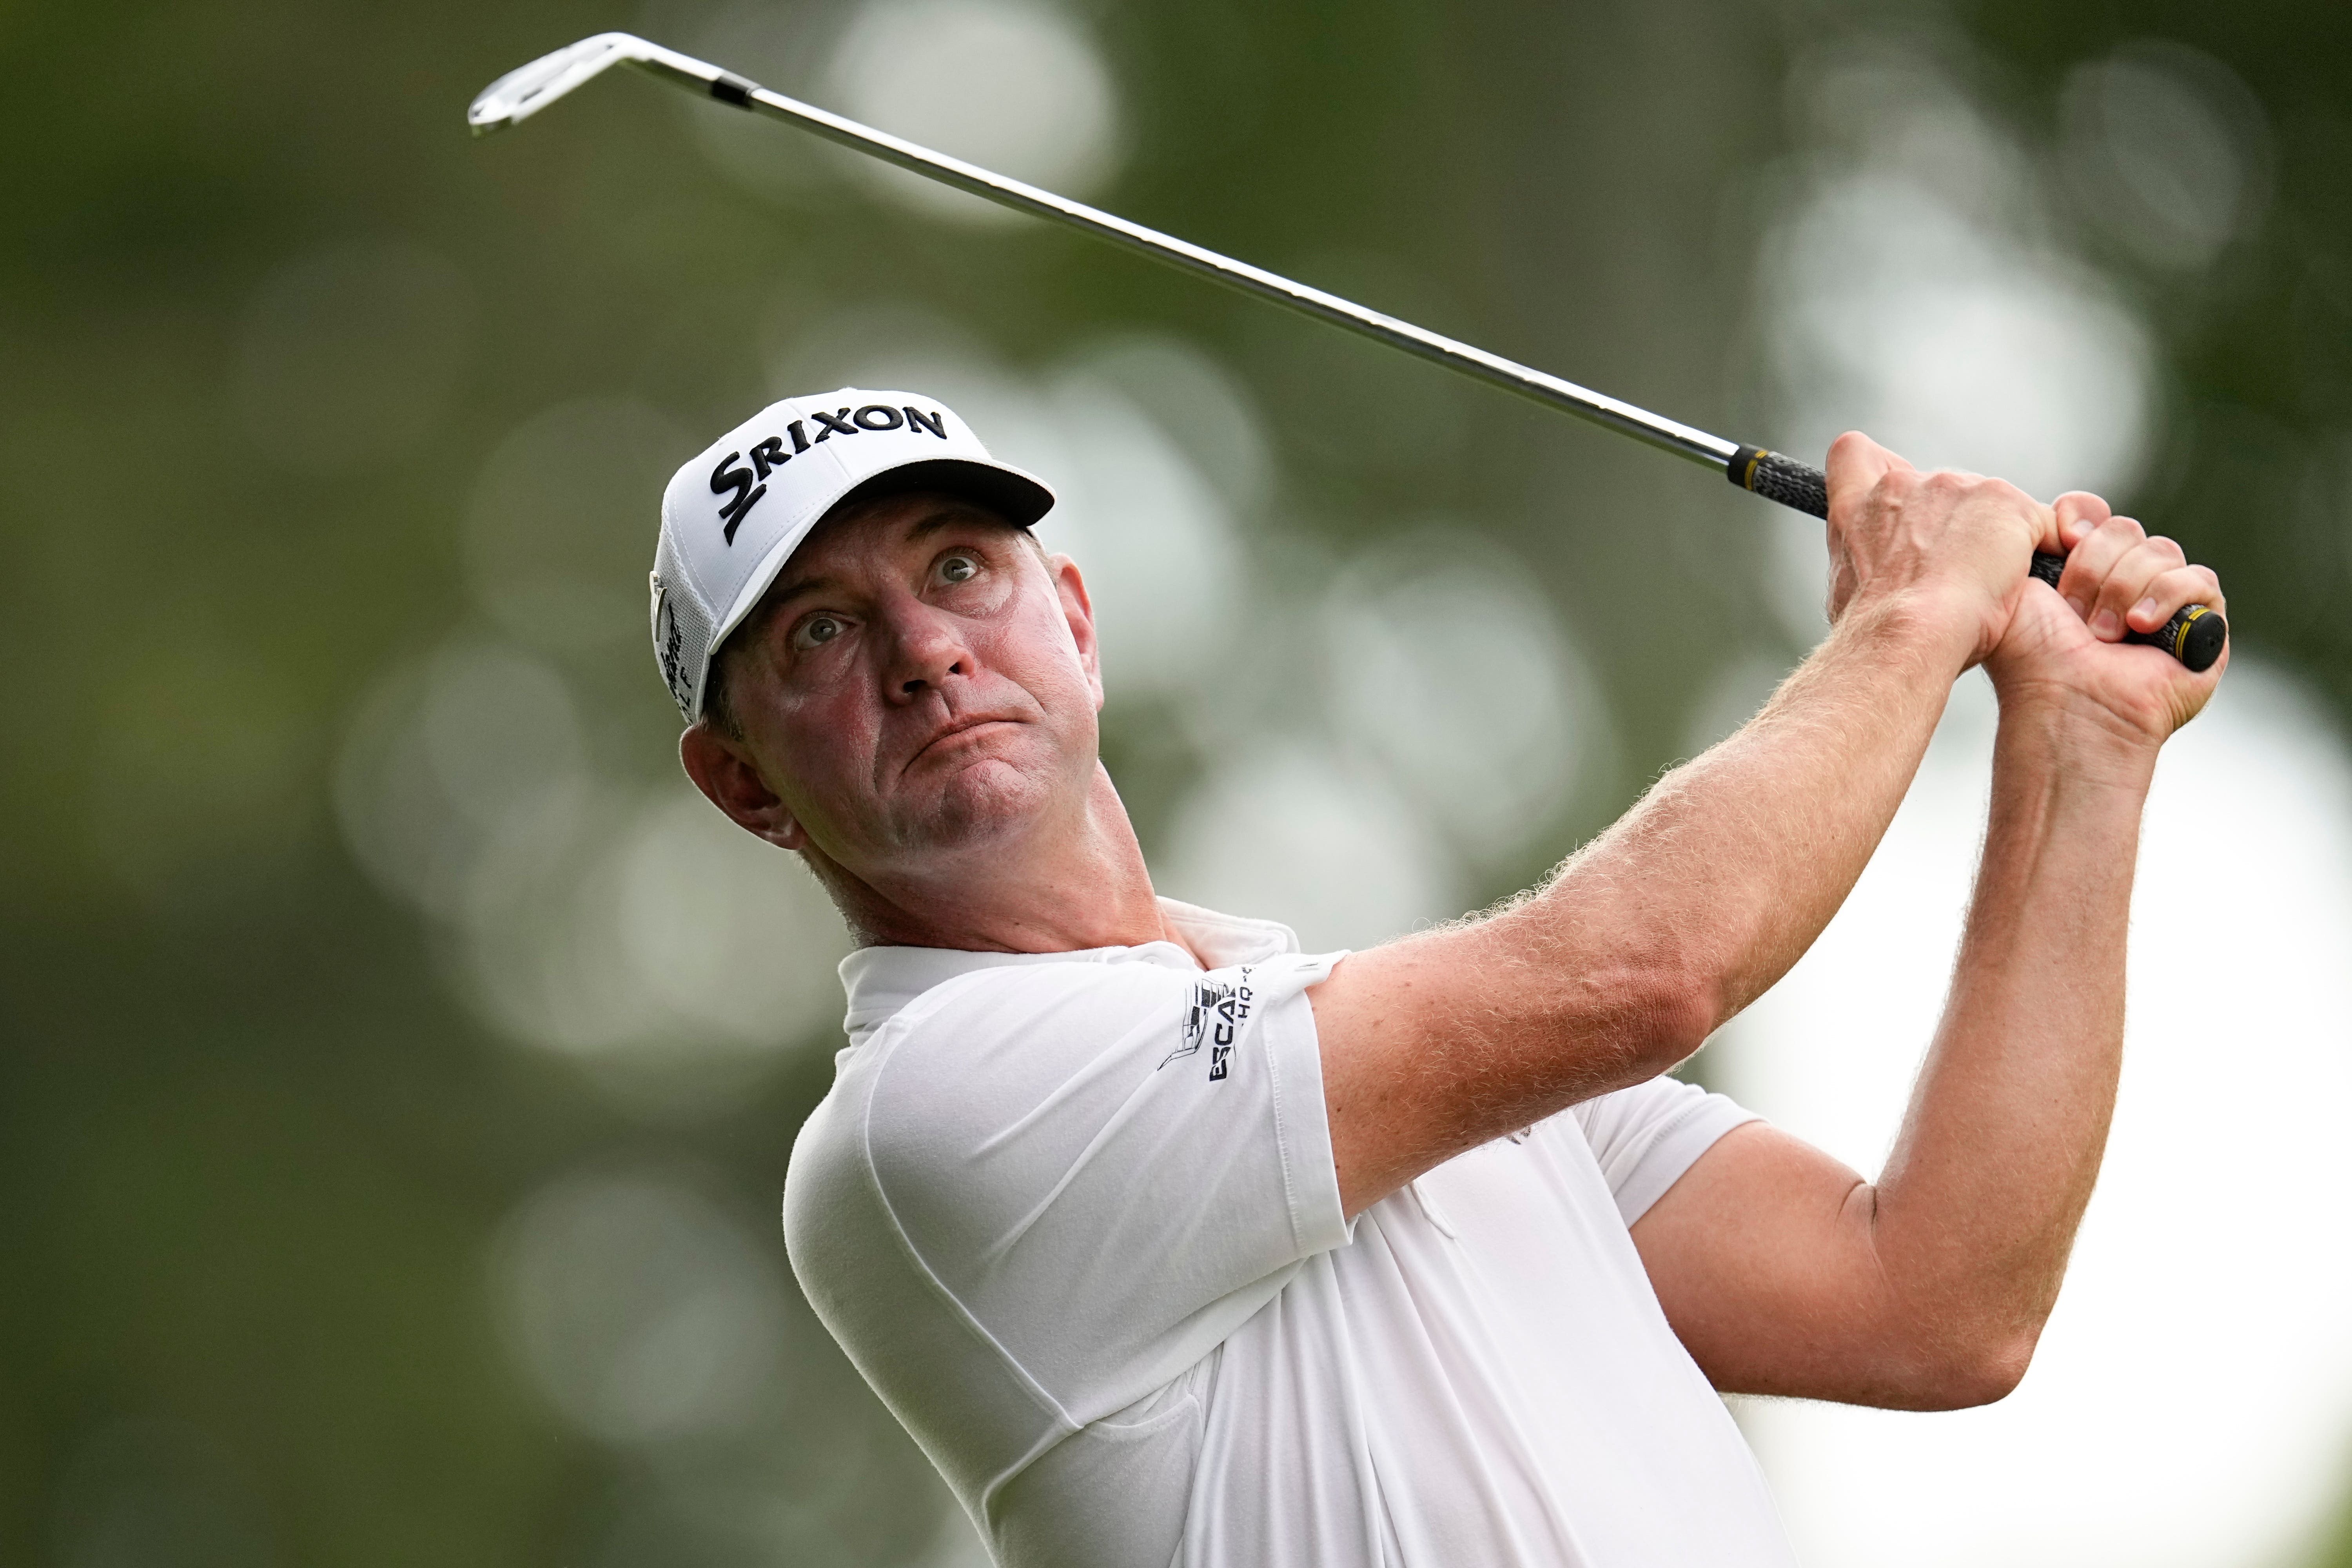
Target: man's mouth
[[961, 727]]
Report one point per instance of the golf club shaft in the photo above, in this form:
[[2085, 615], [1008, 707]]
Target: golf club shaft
[[2195, 635], [1696, 445]]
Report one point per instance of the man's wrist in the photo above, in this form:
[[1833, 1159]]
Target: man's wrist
[[1914, 626], [2047, 723]]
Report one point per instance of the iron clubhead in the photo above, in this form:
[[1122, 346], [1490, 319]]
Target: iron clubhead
[[525, 90]]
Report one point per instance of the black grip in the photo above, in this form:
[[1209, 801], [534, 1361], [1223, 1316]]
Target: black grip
[[2195, 635], [1783, 479]]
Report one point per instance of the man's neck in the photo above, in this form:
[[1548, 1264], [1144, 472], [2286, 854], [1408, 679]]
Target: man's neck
[[1067, 887]]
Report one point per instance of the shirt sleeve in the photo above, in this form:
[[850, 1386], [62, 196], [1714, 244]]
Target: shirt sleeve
[[1107, 1168], [1645, 1137]]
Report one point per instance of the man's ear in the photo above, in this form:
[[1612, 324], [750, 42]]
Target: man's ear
[[722, 769], [1079, 611]]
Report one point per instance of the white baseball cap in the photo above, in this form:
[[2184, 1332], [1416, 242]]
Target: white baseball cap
[[731, 517]]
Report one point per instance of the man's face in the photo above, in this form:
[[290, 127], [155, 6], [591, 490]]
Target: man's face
[[918, 681]]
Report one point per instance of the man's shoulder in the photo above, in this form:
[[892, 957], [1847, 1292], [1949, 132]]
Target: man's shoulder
[[991, 1079], [952, 1117], [975, 1051], [963, 1043]]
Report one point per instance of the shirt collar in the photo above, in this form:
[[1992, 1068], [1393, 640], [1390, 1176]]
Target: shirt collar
[[882, 980]]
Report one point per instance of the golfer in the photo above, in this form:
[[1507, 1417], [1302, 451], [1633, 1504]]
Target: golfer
[[1173, 1245]]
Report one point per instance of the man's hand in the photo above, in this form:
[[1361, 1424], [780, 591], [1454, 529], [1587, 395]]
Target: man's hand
[[1950, 547], [2064, 645]]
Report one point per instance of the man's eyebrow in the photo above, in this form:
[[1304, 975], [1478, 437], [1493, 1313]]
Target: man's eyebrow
[[952, 513], [777, 597]]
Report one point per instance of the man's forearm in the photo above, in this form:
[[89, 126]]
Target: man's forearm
[[1734, 863], [1976, 1211], [1697, 900]]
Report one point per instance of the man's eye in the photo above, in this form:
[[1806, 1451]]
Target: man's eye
[[958, 569], [815, 632]]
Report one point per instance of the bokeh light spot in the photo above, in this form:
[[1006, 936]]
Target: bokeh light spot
[[1287, 831], [1448, 666], [560, 525], [1015, 87], [640, 1310], [2168, 151]]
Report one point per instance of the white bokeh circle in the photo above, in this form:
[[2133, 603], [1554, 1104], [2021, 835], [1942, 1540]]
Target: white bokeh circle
[[1017, 87], [641, 1310], [1449, 665], [2167, 152], [634, 930], [1286, 830]]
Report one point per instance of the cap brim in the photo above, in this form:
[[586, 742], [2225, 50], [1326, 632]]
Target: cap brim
[[1007, 491]]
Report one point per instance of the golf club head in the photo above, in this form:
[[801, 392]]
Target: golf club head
[[525, 90]]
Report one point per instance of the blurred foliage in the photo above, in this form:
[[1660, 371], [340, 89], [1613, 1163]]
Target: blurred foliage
[[2254, 478], [253, 1150]]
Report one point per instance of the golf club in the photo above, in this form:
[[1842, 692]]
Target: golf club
[[2195, 635]]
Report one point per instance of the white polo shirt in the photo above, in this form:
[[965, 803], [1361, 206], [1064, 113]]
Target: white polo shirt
[[1074, 1216]]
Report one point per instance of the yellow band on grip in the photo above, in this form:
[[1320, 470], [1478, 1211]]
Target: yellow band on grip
[[1762, 471], [2180, 638]]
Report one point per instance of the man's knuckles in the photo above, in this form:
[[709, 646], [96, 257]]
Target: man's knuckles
[[2130, 579], [2168, 591], [2079, 512], [2113, 537], [2159, 577], [2206, 590], [2094, 559], [1943, 489], [1855, 451]]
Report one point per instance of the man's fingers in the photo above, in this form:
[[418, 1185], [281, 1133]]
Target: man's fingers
[[2094, 556], [2078, 512], [2169, 591], [2128, 583], [2119, 579]]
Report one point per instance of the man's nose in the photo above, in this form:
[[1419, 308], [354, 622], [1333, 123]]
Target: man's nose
[[928, 648]]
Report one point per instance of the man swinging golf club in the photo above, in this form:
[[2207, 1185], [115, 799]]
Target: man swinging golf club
[[1172, 1244]]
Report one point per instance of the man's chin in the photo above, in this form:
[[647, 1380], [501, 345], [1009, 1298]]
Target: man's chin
[[981, 802]]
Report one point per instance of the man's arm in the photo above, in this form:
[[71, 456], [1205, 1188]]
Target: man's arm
[[1784, 1272], [1703, 895]]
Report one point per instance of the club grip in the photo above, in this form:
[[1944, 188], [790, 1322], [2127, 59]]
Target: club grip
[[2195, 635], [1783, 479]]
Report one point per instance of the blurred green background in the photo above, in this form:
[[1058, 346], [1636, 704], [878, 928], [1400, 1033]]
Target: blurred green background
[[401, 1066]]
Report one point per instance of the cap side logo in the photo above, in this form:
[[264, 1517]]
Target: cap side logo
[[669, 649]]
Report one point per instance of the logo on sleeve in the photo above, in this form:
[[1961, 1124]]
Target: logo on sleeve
[[1213, 1017]]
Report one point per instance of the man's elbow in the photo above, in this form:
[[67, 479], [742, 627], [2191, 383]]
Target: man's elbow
[[1665, 1013], [1691, 1002], [1982, 1371]]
